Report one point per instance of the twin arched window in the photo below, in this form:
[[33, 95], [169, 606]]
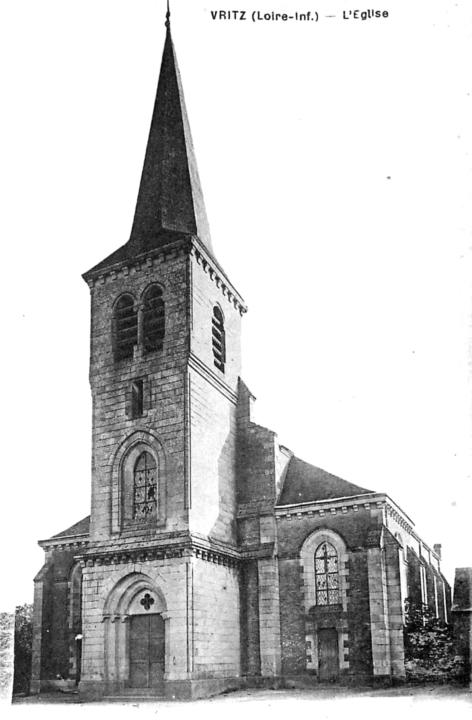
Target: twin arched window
[[326, 575], [128, 331], [218, 339], [145, 487]]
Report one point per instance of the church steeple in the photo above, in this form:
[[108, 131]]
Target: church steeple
[[170, 196], [170, 199]]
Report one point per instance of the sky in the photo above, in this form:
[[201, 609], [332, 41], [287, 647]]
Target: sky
[[335, 160]]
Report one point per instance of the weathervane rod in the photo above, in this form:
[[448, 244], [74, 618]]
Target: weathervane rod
[[168, 15]]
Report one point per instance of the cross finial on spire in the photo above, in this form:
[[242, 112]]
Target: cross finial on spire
[[168, 16]]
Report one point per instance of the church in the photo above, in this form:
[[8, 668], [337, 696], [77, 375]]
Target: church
[[213, 558]]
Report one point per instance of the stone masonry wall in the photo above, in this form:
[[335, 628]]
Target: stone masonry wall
[[164, 384], [250, 635], [358, 611], [212, 407], [212, 472], [256, 462], [52, 636], [414, 582], [269, 618], [395, 604], [353, 623], [170, 576], [215, 621], [292, 617], [205, 293]]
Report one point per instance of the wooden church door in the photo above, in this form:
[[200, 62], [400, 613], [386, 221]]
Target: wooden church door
[[147, 651], [328, 663]]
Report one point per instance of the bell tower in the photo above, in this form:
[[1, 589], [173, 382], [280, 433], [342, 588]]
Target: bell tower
[[165, 352], [164, 370]]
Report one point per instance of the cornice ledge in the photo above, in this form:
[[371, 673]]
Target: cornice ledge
[[196, 364], [399, 516], [65, 541], [182, 547], [180, 244], [217, 274], [332, 505], [203, 541]]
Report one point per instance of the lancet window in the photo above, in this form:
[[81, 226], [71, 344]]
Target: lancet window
[[145, 487], [326, 575]]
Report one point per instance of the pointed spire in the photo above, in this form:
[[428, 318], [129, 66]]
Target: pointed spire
[[170, 196]]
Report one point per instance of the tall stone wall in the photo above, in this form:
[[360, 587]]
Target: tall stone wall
[[163, 375], [212, 467], [104, 645], [250, 634], [53, 632], [462, 618], [215, 621], [300, 620], [198, 598], [205, 292]]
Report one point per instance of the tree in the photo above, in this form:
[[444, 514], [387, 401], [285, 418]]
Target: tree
[[23, 648], [429, 648], [6, 654]]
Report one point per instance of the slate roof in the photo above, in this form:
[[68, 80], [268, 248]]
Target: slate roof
[[307, 483], [170, 198], [80, 528]]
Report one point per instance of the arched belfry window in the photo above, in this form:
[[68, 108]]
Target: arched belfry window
[[145, 487], [326, 575], [126, 327], [218, 339], [154, 319]]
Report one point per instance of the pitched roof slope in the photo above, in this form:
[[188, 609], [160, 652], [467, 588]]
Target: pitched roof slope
[[80, 528], [170, 198], [307, 483]]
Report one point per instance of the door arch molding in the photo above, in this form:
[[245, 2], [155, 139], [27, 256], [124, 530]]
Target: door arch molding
[[122, 603]]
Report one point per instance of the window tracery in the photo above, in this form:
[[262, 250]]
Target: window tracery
[[326, 575], [145, 487]]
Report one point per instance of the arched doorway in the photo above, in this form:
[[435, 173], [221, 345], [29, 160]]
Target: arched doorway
[[135, 635]]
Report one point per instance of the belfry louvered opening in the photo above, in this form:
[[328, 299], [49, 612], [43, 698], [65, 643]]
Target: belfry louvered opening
[[218, 339], [126, 327], [154, 319]]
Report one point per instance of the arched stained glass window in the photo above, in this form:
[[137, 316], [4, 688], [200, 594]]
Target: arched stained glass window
[[218, 339], [326, 575], [126, 327], [145, 487], [154, 319]]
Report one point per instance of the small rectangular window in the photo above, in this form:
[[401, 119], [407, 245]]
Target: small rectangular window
[[137, 407]]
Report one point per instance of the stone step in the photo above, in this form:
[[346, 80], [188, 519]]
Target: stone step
[[132, 698]]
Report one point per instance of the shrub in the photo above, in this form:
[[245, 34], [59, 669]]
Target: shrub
[[23, 648], [429, 648]]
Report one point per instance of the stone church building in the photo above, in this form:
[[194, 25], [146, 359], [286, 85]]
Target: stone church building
[[213, 557]]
